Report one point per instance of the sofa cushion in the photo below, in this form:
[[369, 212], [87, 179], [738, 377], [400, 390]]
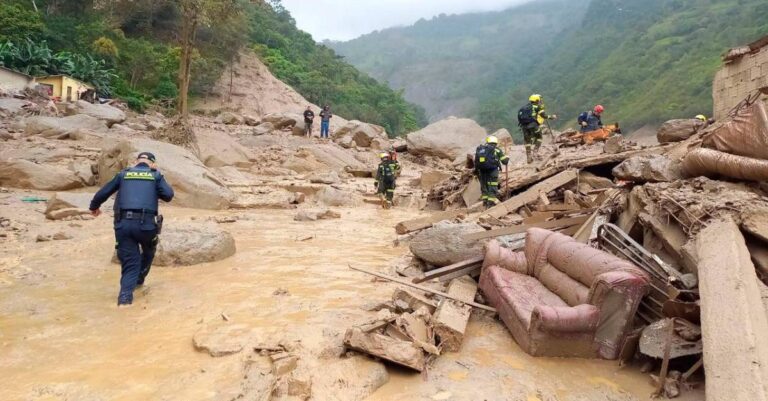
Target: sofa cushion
[[571, 291], [522, 292]]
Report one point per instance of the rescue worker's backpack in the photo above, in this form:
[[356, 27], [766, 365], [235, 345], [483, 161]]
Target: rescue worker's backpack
[[485, 158], [525, 115]]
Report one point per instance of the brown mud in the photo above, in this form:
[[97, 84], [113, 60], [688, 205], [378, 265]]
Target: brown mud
[[62, 337]]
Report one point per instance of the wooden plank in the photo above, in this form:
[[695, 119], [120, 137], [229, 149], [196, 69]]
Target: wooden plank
[[532, 194], [733, 319], [405, 227], [472, 194], [560, 207], [568, 222], [538, 217], [585, 231], [450, 319], [448, 269], [459, 273], [423, 288]]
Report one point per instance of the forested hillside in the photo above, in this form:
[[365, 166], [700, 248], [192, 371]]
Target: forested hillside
[[447, 64], [129, 49], [646, 60]]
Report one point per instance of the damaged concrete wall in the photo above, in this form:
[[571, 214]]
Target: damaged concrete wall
[[738, 79]]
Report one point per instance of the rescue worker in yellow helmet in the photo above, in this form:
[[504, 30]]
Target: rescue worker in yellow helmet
[[702, 118], [386, 176], [488, 161], [530, 118]]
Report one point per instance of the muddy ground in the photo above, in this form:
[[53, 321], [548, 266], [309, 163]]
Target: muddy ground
[[63, 338]]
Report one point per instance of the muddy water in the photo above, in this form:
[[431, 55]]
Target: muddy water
[[62, 338]]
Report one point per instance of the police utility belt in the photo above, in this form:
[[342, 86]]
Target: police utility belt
[[143, 215]]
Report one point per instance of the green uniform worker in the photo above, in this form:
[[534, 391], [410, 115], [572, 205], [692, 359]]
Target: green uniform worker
[[488, 161], [529, 118], [386, 176]]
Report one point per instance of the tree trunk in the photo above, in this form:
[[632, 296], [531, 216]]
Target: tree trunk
[[185, 63]]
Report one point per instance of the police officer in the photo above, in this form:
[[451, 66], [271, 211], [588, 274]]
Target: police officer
[[385, 178], [488, 161], [136, 219]]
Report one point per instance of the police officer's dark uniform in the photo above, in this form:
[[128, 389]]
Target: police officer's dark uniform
[[136, 216], [386, 177]]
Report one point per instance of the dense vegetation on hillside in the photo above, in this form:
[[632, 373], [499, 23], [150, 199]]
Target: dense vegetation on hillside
[[132, 48], [448, 63], [646, 60]]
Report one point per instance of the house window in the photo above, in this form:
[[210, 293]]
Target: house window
[[69, 93]]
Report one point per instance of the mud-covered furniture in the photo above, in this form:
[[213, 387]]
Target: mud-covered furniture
[[563, 298]]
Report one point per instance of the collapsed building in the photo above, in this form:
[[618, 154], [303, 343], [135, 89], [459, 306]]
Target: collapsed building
[[651, 255]]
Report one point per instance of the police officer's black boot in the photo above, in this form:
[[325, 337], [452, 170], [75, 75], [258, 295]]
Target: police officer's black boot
[[124, 299]]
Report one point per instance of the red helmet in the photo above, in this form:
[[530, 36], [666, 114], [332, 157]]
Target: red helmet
[[599, 109]]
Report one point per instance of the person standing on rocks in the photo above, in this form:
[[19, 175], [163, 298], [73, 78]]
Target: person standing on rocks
[[309, 117], [386, 177], [488, 161], [529, 118], [137, 222], [325, 121]]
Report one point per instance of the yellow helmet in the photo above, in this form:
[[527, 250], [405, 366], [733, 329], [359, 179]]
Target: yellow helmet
[[535, 98], [383, 155], [701, 117], [492, 139]]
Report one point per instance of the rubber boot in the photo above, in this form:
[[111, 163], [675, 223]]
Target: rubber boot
[[528, 154]]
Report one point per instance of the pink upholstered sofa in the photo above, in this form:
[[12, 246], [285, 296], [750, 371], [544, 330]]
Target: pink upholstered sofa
[[563, 298]]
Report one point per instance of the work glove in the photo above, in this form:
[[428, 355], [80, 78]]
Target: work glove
[[583, 123], [553, 117]]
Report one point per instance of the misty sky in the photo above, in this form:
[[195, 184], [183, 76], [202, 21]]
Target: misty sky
[[348, 19]]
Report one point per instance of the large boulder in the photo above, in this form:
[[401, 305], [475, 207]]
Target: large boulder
[[11, 105], [282, 120], [66, 204], [678, 130], [360, 133], [334, 157], [443, 244], [331, 196], [217, 149], [328, 177], [52, 127], [230, 118], [18, 173], [191, 244], [648, 168], [195, 185], [264, 128], [505, 138], [104, 112], [448, 139]]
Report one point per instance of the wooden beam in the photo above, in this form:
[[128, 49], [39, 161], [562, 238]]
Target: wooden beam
[[532, 194], [733, 319], [423, 288], [450, 319], [568, 222], [585, 231], [459, 273], [405, 227], [448, 269]]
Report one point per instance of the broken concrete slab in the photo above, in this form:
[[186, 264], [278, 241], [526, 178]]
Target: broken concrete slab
[[451, 317], [733, 319], [755, 222], [403, 353], [444, 243], [405, 227], [412, 300]]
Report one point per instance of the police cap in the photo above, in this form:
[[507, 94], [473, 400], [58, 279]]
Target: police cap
[[146, 155]]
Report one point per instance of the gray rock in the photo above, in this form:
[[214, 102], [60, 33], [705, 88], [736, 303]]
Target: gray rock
[[221, 341], [52, 127], [230, 118], [67, 204], [104, 112], [678, 130], [195, 185], [329, 177], [11, 105], [282, 120], [448, 139], [18, 173], [360, 133], [649, 168], [251, 120], [442, 244], [316, 214], [331, 196], [264, 128], [186, 244]]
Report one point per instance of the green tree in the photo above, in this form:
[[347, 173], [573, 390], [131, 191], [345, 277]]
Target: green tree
[[18, 23]]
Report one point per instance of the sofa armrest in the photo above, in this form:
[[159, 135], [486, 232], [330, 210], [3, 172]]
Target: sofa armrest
[[617, 295], [626, 283], [565, 319], [496, 255]]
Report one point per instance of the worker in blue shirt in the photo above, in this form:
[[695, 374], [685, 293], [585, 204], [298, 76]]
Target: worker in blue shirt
[[137, 222]]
